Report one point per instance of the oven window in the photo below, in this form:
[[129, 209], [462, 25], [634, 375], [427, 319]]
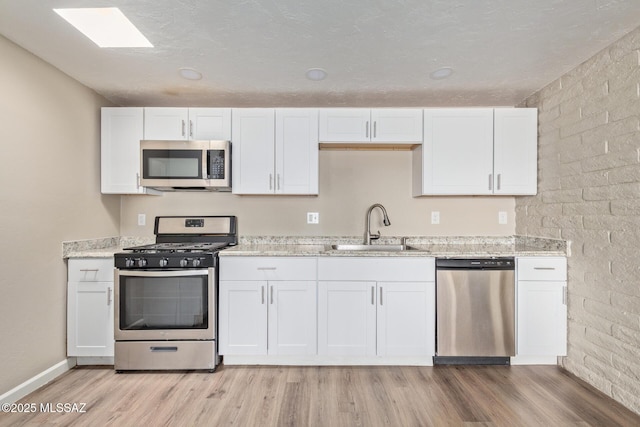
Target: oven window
[[174, 164], [163, 303]]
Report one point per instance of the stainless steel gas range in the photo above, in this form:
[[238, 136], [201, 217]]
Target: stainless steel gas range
[[166, 295]]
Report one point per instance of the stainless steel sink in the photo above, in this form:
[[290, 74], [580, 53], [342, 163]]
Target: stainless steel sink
[[382, 248]]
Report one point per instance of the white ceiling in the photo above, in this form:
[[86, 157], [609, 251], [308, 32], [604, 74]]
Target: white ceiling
[[376, 52]]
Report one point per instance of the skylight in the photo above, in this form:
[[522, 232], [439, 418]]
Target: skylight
[[106, 27]]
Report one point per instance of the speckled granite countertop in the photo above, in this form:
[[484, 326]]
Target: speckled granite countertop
[[453, 246], [436, 246], [101, 248]]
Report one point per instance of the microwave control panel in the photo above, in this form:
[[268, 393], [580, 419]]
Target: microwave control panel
[[216, 164]]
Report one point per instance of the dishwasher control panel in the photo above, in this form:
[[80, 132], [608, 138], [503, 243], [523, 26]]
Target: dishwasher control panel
[[476, 263]]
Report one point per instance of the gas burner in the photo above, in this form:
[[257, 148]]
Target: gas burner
[[182, 242]]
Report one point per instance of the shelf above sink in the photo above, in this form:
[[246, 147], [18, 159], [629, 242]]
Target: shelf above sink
[[365, 248]]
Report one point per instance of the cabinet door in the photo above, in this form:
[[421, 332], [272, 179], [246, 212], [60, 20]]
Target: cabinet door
[[253, 153], [345, 125], [542, 318], [516, 151], [166, 123], [121, 132], [296, 152], [406, 319], [457, 151], [292, 318], [210, 123], [90, 319], [347, 318], [242, 324], [396, 125]]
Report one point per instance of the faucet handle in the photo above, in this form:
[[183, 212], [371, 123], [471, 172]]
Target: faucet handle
[[375, 236]]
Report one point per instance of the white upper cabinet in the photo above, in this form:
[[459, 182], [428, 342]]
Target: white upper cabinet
[[398, 125], [477, 151], [515, 163], [180, 124], [296, 151], [121, 132], [275, 151]]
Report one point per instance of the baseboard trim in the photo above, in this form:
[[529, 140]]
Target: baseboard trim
[[34, 383]]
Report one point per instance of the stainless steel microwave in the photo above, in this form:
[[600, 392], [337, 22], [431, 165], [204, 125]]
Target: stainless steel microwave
[[186, 165]]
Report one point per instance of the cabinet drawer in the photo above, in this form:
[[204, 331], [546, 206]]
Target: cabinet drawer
[[390, 269], [268, 268], [90, 270], [541, 268]]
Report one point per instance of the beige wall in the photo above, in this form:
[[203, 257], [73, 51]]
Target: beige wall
[[589, 193], [49, 171], [350, 182]]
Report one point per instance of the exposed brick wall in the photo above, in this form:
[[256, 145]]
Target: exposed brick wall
[[589, 193]]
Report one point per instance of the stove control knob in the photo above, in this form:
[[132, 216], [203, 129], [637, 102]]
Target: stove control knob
[[129, 263], [196, 262], [184, 262], [142, 262], [163, 262]]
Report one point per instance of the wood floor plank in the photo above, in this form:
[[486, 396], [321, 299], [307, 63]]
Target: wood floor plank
[[326, 396]]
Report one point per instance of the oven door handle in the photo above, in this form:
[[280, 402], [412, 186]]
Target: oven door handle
[[163, 273]]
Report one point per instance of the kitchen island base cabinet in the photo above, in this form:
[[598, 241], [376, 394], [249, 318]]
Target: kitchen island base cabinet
[[90, 310]]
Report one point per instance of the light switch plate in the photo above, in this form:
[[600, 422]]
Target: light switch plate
[[142, 219]]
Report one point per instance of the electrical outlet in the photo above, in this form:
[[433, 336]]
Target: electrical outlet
[[142, 219], [502, 217], [435, 217], [313, 218]]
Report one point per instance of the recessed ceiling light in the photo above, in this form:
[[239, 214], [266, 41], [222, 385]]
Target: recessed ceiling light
[[105, 26], [316, 74], [190, 74], [441, 73]]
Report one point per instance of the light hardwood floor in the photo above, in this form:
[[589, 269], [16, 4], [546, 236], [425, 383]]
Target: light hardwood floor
[[327, 396]]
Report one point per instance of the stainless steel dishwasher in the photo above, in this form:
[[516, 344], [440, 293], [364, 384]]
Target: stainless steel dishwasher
[[475, 311]]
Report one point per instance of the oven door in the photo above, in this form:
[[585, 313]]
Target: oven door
[[165, 305], [168, 164]]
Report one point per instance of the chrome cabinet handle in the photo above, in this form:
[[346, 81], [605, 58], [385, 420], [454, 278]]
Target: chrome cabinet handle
[[278, 181], [375, 126], [367, 129], [380, 295], [565, 297], [499, 179], [191, 128], [262, 294], [544, 268], [490, 181], [266, 268], [183, 128], [373, 295], [109, 296], [270, 181], [90, 269], [271, 294], [138, 179]]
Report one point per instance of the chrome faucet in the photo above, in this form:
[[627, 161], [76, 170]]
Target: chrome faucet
[[385, 220]]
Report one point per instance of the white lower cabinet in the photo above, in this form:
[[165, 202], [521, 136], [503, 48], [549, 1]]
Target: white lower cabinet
[[541, 309], [90, 307], [267, 306], [376, 307]]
